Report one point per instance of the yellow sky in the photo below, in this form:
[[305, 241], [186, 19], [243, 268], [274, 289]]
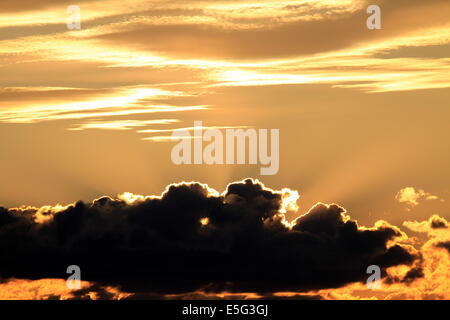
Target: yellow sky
[[362, 113]]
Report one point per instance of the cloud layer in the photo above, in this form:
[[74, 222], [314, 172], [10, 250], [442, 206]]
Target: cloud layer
[[191, 238]]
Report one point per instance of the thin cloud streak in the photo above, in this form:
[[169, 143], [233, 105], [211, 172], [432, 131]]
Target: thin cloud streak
[[47, 115], [190, 129], [167, 138], [120, 124], [121, 102]]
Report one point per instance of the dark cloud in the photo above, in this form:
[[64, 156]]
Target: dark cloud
[[91, 292], [159, 245], [413, 274], [438, 222], [445, 245]]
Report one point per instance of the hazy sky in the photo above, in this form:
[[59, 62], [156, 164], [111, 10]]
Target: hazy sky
[[362, 113]]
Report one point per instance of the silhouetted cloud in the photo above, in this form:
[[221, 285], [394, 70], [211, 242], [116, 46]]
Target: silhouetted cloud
[[445, 245], [160, 245], [438, 222]]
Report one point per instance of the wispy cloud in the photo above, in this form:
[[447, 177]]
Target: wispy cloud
[[120, 124], [119, 102], [165, 138]]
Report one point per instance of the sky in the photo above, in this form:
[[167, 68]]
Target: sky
[[362, 115]]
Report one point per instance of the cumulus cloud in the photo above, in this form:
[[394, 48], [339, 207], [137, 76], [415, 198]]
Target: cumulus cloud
[[435, 225], [426, 278], [411, 196], [192, 238]]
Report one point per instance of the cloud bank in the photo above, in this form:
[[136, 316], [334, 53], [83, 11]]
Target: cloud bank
[[192, 239]]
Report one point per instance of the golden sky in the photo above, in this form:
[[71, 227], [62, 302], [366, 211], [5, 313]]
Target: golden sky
[[363, 114]]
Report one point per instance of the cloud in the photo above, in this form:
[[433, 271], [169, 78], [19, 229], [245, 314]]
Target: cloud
[[434, 225], [28, 5], [119, 124], [123, 101], [279, 37], [411, 196], [427, 278], [145, 244], [170, 138], [56, 289], [445, 245]]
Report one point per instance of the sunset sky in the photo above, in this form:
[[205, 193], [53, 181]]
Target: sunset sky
[[363, 114]]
